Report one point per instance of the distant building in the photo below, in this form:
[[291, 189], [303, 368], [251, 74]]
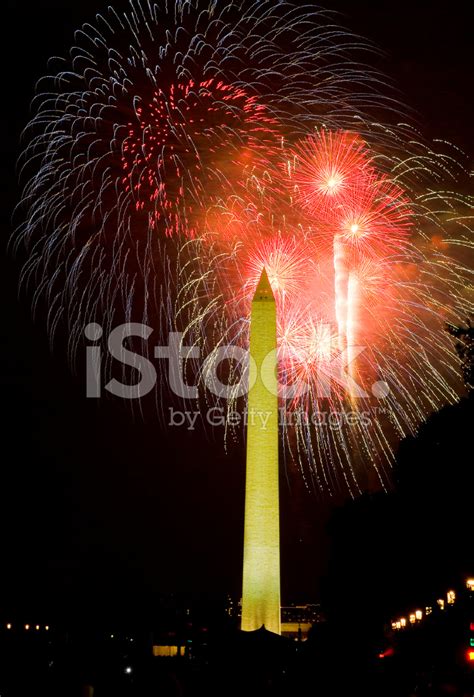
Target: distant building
[[297, 620], [168, 650]]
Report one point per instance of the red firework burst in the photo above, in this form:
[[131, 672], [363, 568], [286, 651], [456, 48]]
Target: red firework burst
[[287, 262], [185, 144], [375, 219], [325, 167]]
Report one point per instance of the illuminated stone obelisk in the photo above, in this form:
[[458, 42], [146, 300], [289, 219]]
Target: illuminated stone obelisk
[[261, 577]]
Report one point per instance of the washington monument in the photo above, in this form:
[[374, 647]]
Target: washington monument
[[261, 575]]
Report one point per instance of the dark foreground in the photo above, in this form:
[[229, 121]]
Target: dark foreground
[[431, 659]]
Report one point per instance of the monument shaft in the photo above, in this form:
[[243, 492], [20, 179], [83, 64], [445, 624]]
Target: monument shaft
[[261, 574]]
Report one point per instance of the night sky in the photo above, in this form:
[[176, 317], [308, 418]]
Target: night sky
[[100, 511]]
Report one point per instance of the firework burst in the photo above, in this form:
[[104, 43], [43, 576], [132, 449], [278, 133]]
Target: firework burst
[[327, 168], [186, 146]]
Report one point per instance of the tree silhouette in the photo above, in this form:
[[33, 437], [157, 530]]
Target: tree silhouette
[[393, 551], [465, 350]]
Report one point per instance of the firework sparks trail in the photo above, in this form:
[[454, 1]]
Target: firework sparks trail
[[341, 277], [353, 326], [185, 146]]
